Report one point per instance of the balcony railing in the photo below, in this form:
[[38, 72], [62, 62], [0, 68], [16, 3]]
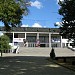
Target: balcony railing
[[33, 44]]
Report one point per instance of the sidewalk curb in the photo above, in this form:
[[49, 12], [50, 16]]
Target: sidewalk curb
[[54, 61], [70, 68]]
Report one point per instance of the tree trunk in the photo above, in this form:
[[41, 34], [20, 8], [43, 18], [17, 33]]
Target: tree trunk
[[1, 53], [7, 27]]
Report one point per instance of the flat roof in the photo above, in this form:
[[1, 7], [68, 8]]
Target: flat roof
[[31, 29]]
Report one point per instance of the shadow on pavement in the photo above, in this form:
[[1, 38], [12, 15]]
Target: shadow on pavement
[[29, 65]]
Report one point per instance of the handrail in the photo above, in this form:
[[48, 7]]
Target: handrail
[[73, 49]]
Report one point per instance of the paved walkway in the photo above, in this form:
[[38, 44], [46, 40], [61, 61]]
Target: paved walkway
[[29, 65], [33, 64]]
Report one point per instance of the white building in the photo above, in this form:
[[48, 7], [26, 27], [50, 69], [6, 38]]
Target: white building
[[48, 37]]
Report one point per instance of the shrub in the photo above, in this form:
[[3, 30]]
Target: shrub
[[4, 43]]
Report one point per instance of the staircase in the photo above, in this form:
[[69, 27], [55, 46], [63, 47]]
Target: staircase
[[41, 51], [60, 52], [34, 51]]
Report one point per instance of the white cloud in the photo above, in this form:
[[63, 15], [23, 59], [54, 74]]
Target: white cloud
[[44, 26], [36, 4], [25, 25], [58, 24], [60, 0], [36, 25], [1, 33]]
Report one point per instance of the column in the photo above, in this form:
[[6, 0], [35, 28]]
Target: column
[[61, 41], [13, 38], [25, 35], [37, 35], [49, 39]]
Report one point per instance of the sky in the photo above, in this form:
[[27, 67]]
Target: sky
[[42, 13]]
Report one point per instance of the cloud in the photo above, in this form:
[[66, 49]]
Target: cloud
[[1, 33], [44, 26], [36, 25], [25, 25], [36, 4], [60, 0], [58, 24]]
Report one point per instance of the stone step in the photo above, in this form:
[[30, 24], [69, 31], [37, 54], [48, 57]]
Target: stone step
[[45, 51]]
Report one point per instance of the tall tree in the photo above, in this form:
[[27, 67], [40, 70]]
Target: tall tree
[[67, 10], [11, 12]]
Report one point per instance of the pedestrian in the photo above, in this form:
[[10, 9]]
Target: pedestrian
[[52, 53], [37, 43]]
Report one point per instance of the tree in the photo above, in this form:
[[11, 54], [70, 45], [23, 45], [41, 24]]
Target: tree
[[4, 43], [11, 12], [67, 10]]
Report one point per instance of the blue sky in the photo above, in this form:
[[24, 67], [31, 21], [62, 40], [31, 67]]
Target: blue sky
[[42, 13]]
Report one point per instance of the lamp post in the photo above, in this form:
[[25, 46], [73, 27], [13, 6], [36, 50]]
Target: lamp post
[[1, 34]]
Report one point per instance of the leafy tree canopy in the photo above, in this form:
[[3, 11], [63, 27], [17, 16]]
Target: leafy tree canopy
[[67, 10], [11, 12]]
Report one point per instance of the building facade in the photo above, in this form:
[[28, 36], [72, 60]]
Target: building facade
[[48, 37]]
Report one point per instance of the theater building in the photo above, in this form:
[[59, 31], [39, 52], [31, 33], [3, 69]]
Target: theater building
[[48, 37]]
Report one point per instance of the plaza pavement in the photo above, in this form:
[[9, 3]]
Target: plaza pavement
[[31, 61]]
